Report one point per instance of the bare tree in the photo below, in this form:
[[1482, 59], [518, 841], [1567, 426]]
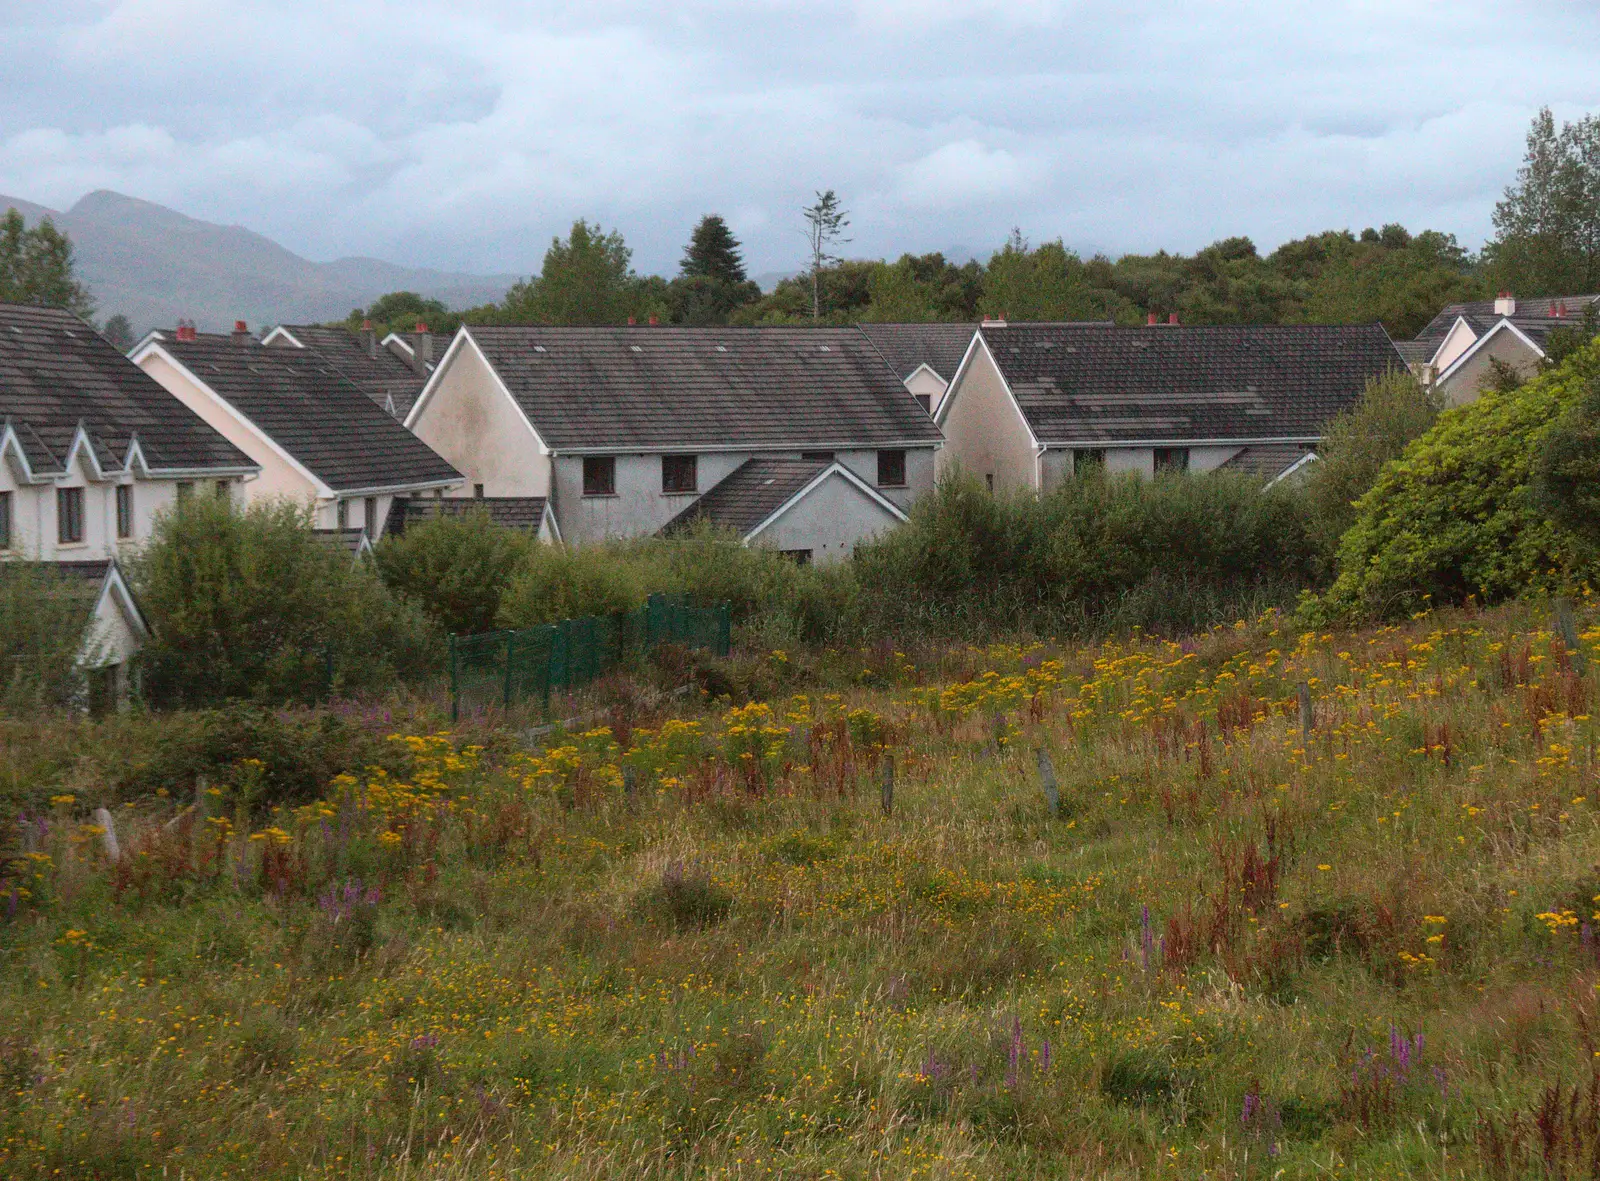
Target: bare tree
[[825, 226]]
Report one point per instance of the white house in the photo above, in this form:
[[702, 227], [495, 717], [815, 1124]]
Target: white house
[[315, 436], [90, 447], [623, 429], [1031, 404]]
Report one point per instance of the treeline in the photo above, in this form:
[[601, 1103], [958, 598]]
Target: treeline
[[1547, 243]]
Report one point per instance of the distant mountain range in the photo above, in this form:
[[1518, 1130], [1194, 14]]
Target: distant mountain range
[[155, 265]]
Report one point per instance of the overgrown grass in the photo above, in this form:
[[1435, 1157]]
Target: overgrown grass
[[698, 945]]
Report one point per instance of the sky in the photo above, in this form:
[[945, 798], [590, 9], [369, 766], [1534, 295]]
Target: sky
[[465, 134]]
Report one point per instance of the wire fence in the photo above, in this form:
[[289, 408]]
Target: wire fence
[[531, 663]]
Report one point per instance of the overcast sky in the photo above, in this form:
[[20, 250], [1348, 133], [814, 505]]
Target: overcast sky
[[464, 134]]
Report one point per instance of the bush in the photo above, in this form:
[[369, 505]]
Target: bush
[[1566, 472], [1392, 411], [1094, 553], [456, 568], [252, 605], [557, 583], [1456, 515], [43, 618]]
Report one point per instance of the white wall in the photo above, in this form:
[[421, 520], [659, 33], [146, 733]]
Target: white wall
[[984, 431], [481, 432], [926, 382], [830, 521]]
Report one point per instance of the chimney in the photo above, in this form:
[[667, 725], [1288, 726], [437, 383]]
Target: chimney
[[1504, 305], [369, 338], [241, 333], [1172, 318], [654, 320], [1150, 320], [632, 320], [421, 348], [1561, 310], [186, 330]]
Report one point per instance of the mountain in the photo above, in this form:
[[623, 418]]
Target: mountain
[[154, 265]]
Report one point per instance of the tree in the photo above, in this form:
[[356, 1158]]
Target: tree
[[924, 288], [826, 222], [119, 332], [588, 279], [455, 568], [1047, 283], [713, 253], [37, 267], [1548, 225], [711, 282], [1566, 472]]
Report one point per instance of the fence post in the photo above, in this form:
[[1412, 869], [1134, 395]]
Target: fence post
[[888, 784], [455, 682], [1567, 629], [1047, 778], [108, 837], [511, 643]]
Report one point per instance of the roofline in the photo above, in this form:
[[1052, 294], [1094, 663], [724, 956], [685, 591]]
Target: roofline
[[399, 340], [413, 486], [444, 363], [114, 579], [291, 337], [719, 448], [1305, 460], [895, 510], [1482, 341], [318, 484], [1156, 441], [930, 369], [9, 441], [951, 392]]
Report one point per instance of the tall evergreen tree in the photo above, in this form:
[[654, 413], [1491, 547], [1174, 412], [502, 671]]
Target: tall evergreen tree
[[36, 266], [713, 253]]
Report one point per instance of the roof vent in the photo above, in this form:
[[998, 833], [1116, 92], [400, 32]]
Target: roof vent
[[636, 348], [825, 348], [1504, 305], [766, 482], [538, 348]]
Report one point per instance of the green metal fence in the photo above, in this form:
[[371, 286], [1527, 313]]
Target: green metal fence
[[534, 662]]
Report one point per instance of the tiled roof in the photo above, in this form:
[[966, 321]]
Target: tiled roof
[[512, 512], [907, 347], [1267, 459], [1182, 383], [382, 376], [1416, 352], [1532, 315], [57, 372], [750, 494], [306, 407], [659, 388]]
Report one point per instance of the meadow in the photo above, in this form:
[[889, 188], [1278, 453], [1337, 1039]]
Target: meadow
[[1039, 911]]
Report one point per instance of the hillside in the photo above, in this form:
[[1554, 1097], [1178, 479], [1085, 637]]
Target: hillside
[[696, 945], [154, 265]]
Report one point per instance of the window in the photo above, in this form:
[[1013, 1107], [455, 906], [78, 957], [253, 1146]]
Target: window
[[1172, 459], [341, 514], [599, 475], [224, 489], [891, 469], [925, 401], [69, 515], [5, 520], [678, 473], [800, 557], [369, 517], [124, 511], [185, 490], [1088, 459], [477, 491], [817, 456], [988, 481]]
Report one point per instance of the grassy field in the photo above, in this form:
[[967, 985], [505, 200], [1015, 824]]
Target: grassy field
[[696, 945]]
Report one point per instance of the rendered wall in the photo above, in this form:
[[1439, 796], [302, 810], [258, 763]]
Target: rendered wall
[[985, 434], [830, 521], [481, 432]]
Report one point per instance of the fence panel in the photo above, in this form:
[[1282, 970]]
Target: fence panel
[[533, 662]]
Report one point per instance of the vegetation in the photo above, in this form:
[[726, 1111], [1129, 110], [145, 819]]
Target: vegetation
[[43, 622], [1548, 225], [699, 943], [252, 605], [36, 267], [456, 569]]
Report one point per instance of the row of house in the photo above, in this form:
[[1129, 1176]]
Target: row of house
[[1459, 350]]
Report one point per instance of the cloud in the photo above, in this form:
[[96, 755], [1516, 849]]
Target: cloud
[[466, 133]]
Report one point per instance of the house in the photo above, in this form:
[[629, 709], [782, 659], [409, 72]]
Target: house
[[391, 373], [530, 514], [1456, 352], [316, 437], [92, 447], [111, 628], [812, 510], [622, 429], [1033, 403]]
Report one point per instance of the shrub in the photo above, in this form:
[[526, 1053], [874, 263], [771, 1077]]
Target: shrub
[[456, 568], [252, 605], [1456, 516], [42, 622], [685, 898], [1566, 471], [557, 583], [1392, 411]]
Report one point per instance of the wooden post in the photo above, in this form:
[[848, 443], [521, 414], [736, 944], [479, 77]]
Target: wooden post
[[1307, 716], [888, 784], [1047, 780], [630, 783], [109, 836], [1567, 629]]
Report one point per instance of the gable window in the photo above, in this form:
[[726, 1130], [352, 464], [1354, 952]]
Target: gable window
[[369, 517], [5, 520], [891, 469], [69, 515], [599, 475], [1171, 459], [679, 473], [1088, 459], [124, 511], [925, 401]]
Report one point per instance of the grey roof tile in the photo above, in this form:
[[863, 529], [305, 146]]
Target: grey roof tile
[[1538, 314], [308, 408], [750, 494], [512, 512], [57, 372], [1269, 460], [908, 347], [660, 388], [382, 376], [1187, 383]]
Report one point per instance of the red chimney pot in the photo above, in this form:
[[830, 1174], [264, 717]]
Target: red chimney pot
[[421, 327], [1150, 320], [240, 326], [654, 321], [366, 325], [632, 320], [1172, 317]]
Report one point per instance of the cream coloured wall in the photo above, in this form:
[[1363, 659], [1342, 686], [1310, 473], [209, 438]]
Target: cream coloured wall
[[1458, 340], [1467, 382], [985, 433], [925, 382], [830, 522], [471, 421]]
